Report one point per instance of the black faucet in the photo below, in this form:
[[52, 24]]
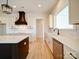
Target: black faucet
[[57, 31]]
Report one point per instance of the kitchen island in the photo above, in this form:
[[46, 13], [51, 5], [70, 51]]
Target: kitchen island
[[14, 46]]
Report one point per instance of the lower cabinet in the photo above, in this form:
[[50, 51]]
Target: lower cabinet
[[58, 50], [23, 48], [15, 50]]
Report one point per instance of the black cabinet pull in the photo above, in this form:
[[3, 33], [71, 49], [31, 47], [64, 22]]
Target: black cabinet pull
[[73, 56]]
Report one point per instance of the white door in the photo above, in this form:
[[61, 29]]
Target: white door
[[39, 28]]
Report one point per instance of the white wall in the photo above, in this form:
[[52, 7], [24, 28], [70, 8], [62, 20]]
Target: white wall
[[46, 24], [69, 33], [60, 5], [30, 18], [39, 28], [51, 20], [57, 8]]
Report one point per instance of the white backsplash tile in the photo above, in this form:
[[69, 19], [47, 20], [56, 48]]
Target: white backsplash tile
[[70, 33]]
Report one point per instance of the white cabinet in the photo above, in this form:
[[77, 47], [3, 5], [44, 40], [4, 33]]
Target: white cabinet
[[68, 50], [74, 11], [49, 42]]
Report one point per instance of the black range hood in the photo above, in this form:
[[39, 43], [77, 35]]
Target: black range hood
[[21, 20]]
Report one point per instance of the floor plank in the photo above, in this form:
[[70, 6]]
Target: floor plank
[[38, 50]]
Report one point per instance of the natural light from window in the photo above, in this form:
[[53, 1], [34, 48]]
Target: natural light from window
[[61, 20]]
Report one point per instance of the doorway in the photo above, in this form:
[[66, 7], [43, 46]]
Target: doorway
[[39, 29]]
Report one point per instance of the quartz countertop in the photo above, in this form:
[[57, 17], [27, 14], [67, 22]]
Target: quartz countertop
[[68, 41], [12, 38]]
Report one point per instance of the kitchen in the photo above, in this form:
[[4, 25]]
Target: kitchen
[[52, 31]]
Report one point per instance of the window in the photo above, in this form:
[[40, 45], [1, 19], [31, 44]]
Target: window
[[61, 20]]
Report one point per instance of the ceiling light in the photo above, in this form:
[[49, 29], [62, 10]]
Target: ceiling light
[[6, 8], [39, 5]]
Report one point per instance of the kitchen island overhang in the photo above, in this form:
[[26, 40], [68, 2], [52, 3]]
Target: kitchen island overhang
[[14, 47]]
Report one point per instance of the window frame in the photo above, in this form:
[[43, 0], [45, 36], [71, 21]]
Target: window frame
[[55, 15]]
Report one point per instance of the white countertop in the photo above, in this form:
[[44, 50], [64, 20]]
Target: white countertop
[[71, 42], [12, 38]]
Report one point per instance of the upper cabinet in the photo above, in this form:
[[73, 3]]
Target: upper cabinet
[[74, 11]]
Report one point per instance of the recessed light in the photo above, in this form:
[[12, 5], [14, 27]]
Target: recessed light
[[39, 5]]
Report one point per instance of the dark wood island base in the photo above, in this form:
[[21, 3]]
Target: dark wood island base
[[14, 50]]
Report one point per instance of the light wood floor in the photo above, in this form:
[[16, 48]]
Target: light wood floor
[[38, 50]]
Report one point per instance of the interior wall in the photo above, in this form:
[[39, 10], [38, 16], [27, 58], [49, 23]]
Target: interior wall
[[76, 27], [51, 21], [39, 28], [68, 33], [57, 8], [9, 20], [60, 5]]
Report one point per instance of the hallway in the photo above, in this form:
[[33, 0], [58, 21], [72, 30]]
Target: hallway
[[38, 50]]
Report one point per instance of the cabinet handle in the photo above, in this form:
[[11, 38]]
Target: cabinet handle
[[24, 43], [73, 56]]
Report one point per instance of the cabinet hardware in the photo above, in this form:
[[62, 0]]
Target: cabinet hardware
[[73, 56], [24, 43]]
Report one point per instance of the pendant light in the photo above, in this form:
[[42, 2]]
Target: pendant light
[[6, 8]]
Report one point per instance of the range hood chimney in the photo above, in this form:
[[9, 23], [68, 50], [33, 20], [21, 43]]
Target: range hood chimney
[[21, 20]]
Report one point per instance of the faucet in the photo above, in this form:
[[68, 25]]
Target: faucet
[[57, 30]]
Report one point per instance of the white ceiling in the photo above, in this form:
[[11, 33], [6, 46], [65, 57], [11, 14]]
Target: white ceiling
[[31, 6]]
